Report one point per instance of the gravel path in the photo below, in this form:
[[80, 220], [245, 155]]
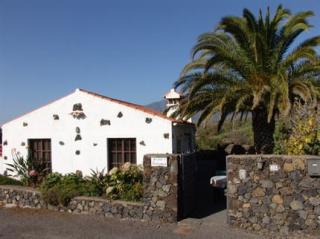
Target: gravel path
[[27, 223]]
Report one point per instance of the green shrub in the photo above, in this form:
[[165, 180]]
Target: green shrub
[[299, 134], [281, 135], [59, 190], [51, 195], [95, 184], [125, 184], [51, 180], [132, 192], [236, 132], [9, 181], [303, 139]]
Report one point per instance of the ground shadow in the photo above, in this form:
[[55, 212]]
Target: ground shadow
[[209, 200]]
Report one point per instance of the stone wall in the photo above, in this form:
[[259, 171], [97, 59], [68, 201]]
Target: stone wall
[[159, 197], [106, 208], [21, 196], [161, 189], [272, 193], [31, 198]]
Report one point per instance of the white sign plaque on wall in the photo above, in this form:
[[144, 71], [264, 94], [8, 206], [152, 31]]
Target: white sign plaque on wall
[[159, 162], [242, 174], [274, 167]]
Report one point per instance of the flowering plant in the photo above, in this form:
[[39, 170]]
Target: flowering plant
[[33, 173], [30, 171]]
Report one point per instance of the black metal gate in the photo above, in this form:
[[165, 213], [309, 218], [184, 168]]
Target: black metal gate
[[186, 184]]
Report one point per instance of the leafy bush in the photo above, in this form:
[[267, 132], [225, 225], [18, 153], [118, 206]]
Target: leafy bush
[[125, 183], [235, 132], [31, 172], [9, 181], [95, 184], [303, 137], [281, 135], [49, 188], [59, 190], [51, 180], [300, 133]]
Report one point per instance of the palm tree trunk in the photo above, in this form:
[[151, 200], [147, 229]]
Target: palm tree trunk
[[262, 130]]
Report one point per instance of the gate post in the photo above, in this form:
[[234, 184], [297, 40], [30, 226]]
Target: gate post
[[160, 184]]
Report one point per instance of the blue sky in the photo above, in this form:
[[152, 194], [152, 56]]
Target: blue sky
[[131, 50]]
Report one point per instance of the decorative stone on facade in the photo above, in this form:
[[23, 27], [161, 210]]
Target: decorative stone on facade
[[280, 197], [148, 120], [159, 197], [55, 117]]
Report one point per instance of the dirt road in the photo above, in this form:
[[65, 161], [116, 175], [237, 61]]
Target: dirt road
[[43, 224]]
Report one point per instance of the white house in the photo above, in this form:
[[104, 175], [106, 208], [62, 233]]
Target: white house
[[85, 130]]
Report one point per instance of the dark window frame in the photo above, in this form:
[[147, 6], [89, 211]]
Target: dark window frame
[[41, 149], [120, 151]]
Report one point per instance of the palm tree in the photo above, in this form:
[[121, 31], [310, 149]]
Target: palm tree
[[250, 65]]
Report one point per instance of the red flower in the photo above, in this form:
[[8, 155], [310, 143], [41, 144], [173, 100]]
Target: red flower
[[33, 173]]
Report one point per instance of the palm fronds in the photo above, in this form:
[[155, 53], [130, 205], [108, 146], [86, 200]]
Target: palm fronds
[[249, 63]]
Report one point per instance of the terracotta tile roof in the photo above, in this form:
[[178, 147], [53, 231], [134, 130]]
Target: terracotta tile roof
[[135, 106]]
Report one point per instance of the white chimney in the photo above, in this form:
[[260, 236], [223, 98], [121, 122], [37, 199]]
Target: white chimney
[[173, 100]]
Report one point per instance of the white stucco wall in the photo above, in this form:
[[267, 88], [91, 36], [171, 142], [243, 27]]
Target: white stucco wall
[[64, 160]]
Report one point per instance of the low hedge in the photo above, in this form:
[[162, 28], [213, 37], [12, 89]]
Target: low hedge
[[57, 189], [124, 184], [4, 180]]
